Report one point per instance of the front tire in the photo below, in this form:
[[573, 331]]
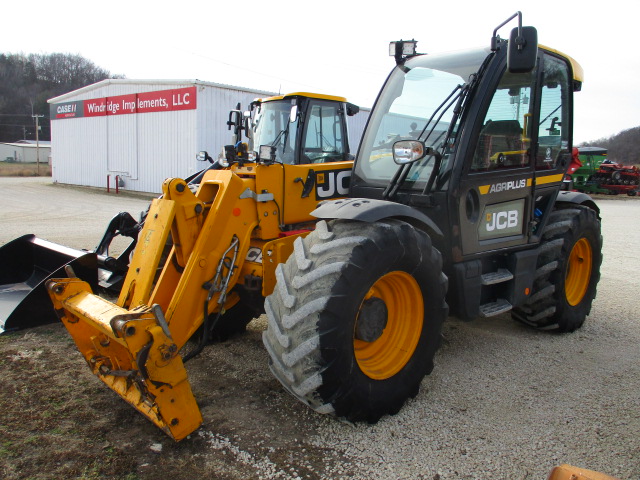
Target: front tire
[[567, 273], [355, 318]]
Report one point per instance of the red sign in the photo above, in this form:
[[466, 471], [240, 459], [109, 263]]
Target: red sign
[[158, 101]]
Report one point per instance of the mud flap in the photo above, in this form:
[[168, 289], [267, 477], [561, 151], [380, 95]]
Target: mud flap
[[132, 352], [25, 265]]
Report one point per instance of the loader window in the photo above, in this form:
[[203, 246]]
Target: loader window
[[553, 131], [272, 127], [504, 140], [323, 140]]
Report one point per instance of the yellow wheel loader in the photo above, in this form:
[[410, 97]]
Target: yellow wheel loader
[[355, 302], [228, 236], [28, 262]]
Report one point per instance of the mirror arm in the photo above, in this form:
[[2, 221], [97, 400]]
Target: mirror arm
[[519, 40], [391, 188], [434, 172]]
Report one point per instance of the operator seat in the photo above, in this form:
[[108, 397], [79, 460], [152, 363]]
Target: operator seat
[[498, 136]]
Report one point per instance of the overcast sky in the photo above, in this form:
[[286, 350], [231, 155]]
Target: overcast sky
[[330, 46]]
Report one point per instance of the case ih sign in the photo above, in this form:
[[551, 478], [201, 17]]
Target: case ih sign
[[158, 101]]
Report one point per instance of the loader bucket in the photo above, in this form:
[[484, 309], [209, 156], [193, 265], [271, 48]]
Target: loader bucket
[[25, 265]]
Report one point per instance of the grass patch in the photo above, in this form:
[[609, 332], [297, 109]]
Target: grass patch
[[20, 169]]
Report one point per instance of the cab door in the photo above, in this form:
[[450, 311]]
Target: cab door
[[324, 137], [519, 154]]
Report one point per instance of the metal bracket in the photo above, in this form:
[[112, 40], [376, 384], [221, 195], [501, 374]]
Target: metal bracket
[[161, 320], [309, 183], [258, 197]]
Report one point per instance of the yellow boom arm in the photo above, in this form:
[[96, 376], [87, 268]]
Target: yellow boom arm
[[133, 346]]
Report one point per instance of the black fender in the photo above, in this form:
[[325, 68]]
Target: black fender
[[370, 210], [578, 198]]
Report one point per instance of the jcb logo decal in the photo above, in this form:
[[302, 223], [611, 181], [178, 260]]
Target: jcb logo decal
[[332, 183], [502, 220], [254, 254]]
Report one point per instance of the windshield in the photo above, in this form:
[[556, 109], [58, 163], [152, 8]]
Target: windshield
[[271, 126], [416, 103]]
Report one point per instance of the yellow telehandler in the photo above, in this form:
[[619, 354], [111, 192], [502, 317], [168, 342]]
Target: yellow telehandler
[[357, 289]]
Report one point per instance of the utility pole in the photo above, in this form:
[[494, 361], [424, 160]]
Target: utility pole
[[37, 141]]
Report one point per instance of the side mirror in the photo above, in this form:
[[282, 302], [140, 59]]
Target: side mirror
[[293, 116], [247, 125], [522, 51], [409, 151], [203, 156]]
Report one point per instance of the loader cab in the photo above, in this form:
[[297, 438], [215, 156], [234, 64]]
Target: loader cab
[[300, 128], [500, 143], [297, 149]]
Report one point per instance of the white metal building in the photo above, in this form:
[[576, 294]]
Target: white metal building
[[27, 151], [145, 131]]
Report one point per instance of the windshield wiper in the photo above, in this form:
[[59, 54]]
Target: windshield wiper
[[403, 171], [453, 92], [285, 132]]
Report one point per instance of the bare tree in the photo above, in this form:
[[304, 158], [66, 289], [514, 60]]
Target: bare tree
[[623, 148], [28, 81]]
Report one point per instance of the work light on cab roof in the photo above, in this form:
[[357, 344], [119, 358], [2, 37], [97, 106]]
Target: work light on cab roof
[[402, 49]]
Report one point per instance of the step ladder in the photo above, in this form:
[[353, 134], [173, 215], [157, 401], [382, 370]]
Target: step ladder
[[501, 305]]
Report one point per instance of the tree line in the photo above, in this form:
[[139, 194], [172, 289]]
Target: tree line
[[623, 147], [28, 81]]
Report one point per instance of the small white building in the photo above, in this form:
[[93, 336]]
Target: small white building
[[26, 151], [143, 131]]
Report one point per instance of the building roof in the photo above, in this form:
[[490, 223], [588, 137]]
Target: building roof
[[33, 142], [124, 81], [28, 144]]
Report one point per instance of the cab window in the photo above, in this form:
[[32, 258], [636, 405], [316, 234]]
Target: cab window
[[504, 139], [324, 139], [554, 127]]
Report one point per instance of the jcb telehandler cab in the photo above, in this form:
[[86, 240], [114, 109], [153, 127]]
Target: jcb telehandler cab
[[456, 182]]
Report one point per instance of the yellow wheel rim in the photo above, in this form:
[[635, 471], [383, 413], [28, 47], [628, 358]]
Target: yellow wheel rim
[[578, 272], [388, 354]]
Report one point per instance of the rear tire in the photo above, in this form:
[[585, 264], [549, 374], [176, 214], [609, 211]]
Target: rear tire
[[355, 318], [567, 273]]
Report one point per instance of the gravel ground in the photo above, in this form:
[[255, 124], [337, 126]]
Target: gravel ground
[[503, 402]]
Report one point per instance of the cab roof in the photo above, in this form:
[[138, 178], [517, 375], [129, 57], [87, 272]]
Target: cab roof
[[304, 94], [578, 72]]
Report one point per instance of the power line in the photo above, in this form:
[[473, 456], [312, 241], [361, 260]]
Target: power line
[[19, 115]]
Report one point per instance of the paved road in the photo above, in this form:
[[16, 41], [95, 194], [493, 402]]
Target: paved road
[[67, 215]]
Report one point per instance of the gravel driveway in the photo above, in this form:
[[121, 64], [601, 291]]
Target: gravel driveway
[[503, 402]]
